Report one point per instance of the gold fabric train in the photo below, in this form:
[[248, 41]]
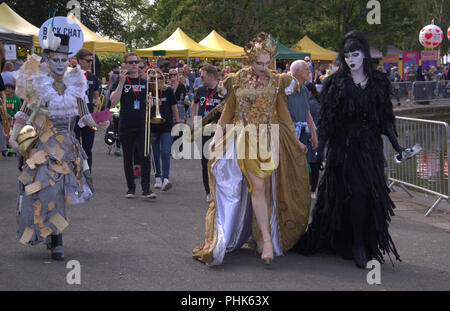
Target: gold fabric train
[[293, 198]]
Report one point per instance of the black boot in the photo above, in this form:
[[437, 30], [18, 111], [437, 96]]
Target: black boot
[[57, 247], [359, 256]]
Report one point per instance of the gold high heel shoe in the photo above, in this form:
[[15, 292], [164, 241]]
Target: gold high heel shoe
[[268, 257]]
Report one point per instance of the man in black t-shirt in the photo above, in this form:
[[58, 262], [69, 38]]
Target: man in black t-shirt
[[206, 99], [86, 135], [131, 91]]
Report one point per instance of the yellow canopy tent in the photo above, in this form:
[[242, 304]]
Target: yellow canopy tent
[[317, 52], [179, 45], [11, 20], [94, 42], [217, 42]]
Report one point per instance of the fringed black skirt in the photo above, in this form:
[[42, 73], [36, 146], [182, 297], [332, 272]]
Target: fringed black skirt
[[354, 171]]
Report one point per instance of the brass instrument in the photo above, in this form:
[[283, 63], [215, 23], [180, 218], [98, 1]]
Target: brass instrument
[[100, 103], [148, 108], [205, 120], [153, 74]]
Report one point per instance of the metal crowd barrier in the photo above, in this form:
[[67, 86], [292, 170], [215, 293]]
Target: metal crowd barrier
[[420, 91], [427, 171], [401, 91]]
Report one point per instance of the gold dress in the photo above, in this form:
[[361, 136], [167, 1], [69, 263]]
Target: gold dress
[[229, 219]]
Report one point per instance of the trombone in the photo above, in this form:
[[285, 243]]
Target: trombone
[[152, 78]]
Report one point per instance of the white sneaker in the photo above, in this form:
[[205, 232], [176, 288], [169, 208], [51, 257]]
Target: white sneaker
[[166, 185], [208, 198], [313, 196], [158, 183]]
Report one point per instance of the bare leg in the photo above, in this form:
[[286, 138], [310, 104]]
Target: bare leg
[[260, 207]]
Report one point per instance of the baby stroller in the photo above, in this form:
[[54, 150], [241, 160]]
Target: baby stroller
[[112, 133]]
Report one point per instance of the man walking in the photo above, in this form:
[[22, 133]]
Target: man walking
[[132, 91], [86, 135], [298, 105], [206, 99]]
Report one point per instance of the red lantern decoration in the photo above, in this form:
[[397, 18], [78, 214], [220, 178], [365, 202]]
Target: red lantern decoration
[[448, 33], [431, 36]]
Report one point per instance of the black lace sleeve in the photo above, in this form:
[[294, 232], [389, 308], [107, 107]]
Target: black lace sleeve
[[327, 117], [387, 112]]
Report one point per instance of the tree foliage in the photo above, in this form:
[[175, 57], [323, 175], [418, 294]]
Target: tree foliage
[[143, 23]]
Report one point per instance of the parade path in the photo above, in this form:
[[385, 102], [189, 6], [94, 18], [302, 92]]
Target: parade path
[[134, 244]]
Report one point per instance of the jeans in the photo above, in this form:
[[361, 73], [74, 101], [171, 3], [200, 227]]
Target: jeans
[[161, 146], [130, 139], [86, 137], [2, 139]]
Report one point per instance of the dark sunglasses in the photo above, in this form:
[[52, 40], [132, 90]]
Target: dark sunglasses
[[133, 62], [160, 78], [10, 86], [173, 75], [140, 67], [87, 60]]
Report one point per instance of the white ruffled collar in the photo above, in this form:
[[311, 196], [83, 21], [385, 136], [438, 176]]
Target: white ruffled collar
[[61, 105]]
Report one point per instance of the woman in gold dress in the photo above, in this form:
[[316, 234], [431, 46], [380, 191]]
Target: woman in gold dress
[[274, 182]]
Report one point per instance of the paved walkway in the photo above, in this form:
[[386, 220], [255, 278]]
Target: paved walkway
[[137, 245]]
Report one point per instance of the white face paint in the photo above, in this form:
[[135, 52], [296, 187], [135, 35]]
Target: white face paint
[[354, 59], [58, 63]]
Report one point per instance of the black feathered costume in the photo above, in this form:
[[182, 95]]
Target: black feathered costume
[[353, 197]]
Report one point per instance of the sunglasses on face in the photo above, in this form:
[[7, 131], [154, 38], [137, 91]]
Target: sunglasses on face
[[133, 62], [10, 87], [160, 78], [87, 60], [141, 67], [173, 75]]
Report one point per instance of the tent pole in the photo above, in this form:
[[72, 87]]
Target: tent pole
[[93, 63], [223, 63], [189, 61]]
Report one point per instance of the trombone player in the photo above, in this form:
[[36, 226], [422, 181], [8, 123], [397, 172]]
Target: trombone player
[[164, 114], [131, 90]]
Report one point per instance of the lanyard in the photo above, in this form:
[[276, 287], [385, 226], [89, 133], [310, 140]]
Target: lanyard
[[139, 87], [208, 97]]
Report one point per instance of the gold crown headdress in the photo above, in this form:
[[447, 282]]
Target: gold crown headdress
[[262, 42]]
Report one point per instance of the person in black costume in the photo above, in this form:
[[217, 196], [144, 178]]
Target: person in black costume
[[353, 207]]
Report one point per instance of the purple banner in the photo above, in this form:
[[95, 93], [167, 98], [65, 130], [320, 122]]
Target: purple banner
[[410, 58]]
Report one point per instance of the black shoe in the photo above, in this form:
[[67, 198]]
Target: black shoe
[[149, 195], [359, 257], [57, 247], [130, 194]]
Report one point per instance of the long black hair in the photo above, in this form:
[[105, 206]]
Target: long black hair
[[312, 88], [353, 41]]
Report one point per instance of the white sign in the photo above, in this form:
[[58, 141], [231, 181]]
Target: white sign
[[65, 26], [10, 52]]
